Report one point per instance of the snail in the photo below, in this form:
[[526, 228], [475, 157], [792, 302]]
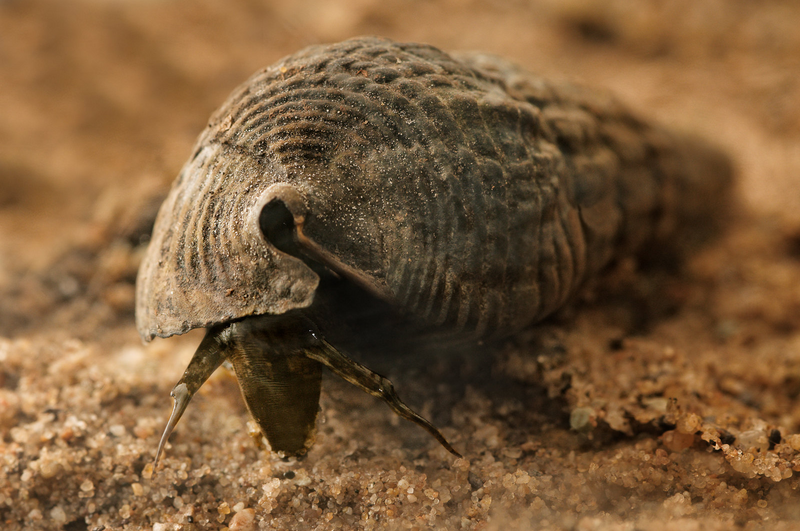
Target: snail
[[459, 191]]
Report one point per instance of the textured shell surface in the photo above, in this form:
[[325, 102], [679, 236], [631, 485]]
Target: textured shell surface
[[461, 189]]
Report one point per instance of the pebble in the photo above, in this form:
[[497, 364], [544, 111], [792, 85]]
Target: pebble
[[58, 515], [244, 520], [676, 441], [580, 419]]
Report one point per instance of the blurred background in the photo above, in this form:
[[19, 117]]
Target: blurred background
[[102, 100]]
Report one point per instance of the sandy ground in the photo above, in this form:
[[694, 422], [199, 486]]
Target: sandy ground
[[657, 401]]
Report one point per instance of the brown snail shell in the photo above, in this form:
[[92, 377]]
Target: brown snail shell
[[464, 192]]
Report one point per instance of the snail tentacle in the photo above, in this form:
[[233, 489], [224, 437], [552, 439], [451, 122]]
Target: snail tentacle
[[207, 358], [374, 384]]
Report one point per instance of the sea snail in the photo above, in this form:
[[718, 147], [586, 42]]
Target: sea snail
[[461, 191]]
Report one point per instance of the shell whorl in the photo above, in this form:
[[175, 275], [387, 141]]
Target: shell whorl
[[471, 194], [420, 169]]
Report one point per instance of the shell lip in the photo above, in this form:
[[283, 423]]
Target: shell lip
[[208, 261], [167, 325], [152, 333]]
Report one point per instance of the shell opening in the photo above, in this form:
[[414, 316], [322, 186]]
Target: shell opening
[[277, 223]]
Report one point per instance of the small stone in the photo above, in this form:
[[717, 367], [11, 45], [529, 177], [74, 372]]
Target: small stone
[[87, 486], [461, 464], [676, 441], [58, 515], [740, 498], [512, 453], [659, 404], [752, 439], [138, 490], [486, 502], [244, 520], [49, 468], [678, 505], [474, 481], [302, 478], [272, 488], [143, 429], [224, 508], [580, 419], [67, 434], [125, 511], [689, 423], [117, 430]]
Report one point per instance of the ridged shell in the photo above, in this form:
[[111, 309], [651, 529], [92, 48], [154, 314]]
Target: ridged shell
[[467, 192]]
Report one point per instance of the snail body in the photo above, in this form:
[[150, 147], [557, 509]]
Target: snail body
[[463, 192]]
